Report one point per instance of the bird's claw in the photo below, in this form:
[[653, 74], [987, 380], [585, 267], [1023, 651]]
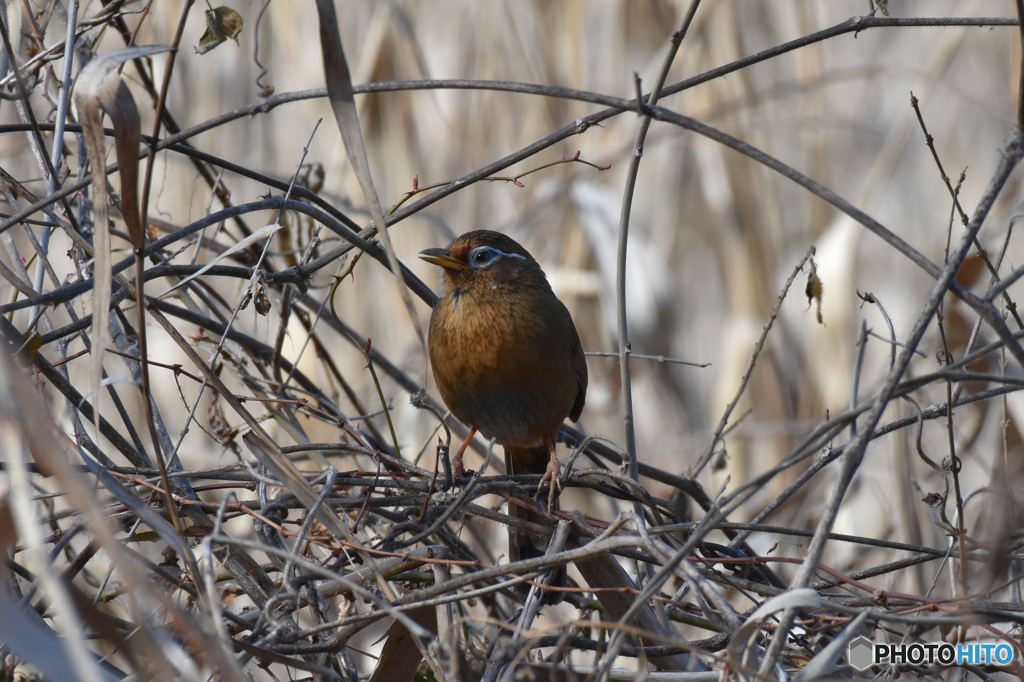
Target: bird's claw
[[552, 481], [458, 470]]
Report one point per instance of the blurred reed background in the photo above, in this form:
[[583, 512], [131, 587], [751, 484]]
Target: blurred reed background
[[713, 237]]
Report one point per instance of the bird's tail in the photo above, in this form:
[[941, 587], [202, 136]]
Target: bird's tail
[[522, 544]]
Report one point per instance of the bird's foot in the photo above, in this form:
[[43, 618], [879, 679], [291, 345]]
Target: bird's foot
[[551, 481], [458, 470]]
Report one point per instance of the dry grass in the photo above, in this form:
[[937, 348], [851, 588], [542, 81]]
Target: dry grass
[[930, 504]]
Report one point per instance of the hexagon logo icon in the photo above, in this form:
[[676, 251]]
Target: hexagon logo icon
[[859, 653]]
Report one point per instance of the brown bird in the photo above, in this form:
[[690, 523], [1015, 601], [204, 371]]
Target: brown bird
[[506, 358]]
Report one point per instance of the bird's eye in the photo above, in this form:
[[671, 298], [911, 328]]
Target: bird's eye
[[482, 256]]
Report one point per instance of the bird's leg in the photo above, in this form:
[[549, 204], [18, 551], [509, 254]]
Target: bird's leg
[[551, 475], [458, 471]]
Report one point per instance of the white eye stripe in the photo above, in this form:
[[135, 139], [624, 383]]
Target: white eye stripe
[[492, 254]]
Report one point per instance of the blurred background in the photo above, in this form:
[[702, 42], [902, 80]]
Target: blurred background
[[713, 237]]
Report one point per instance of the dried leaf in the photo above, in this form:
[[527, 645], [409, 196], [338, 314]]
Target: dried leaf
[[221, 23], [343, 104], [29, 347], [99, 89], [30, 638], [31, 434], [397, 661], [262, 301], [814, 290], [603, 571], [242, 245]]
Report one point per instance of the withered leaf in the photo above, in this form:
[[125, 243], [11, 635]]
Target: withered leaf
[[262, 300], [221, 23], [30, 347]]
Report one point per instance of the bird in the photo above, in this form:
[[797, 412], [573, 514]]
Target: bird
[[507, 361]]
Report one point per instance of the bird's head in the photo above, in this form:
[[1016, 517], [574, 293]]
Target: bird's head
[[481, 258]]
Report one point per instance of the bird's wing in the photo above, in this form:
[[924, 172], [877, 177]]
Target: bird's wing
[[579, 368]]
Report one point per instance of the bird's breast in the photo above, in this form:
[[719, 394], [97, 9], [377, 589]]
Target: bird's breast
[[469, 338], [499, 365]]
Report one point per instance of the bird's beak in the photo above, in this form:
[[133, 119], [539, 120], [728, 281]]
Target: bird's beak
[[440, 257]]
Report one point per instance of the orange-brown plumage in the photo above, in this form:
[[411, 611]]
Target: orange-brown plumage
[[505, 353]]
